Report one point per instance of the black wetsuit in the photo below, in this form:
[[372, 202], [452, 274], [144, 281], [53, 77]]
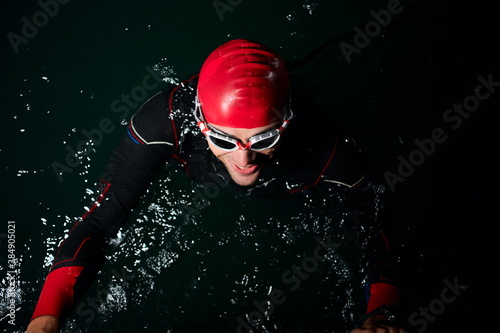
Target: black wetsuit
[[164, 132]]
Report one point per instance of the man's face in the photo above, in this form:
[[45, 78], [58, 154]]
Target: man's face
[[244, 166]]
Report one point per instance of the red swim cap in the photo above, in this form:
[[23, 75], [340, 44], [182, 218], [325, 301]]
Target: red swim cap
[[243, 84]]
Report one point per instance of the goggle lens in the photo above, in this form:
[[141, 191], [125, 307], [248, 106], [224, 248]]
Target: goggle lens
[[222, 144], [257, 143], [265, 143]]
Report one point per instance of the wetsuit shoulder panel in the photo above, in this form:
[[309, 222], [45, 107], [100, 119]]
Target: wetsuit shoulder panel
[[346, 166], [151, 124]]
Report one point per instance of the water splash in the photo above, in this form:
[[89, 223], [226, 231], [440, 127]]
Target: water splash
[[231, 254], [166, 71]]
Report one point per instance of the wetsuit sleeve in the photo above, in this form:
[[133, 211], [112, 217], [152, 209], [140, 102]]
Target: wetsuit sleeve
[[364, 212], [134, 164]]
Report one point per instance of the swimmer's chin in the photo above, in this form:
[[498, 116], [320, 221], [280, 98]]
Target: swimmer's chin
[[244, 180], [244, 183]]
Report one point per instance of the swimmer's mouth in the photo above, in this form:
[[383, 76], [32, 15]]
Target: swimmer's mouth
[[245, 170]]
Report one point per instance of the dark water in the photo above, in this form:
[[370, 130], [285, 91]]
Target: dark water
[[62, 79]]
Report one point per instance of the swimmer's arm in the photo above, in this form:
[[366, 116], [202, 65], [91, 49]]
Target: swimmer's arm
[[44, 324], [385, 272], [129, 173], [378, 324]]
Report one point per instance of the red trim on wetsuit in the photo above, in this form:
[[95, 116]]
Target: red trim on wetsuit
[[386, 241], [133, 134], [101, 197], [59, 282], [322, 171], [172, 119], [76, 253], [382, 294], [170, 106], [58, 290]]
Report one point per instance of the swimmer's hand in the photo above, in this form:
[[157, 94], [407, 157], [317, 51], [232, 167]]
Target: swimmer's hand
[[378, 324], [44, 324]]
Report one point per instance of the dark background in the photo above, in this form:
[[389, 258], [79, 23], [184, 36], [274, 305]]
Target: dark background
[[393, 92]]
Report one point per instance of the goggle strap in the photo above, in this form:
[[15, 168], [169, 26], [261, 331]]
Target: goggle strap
[[284, 125]]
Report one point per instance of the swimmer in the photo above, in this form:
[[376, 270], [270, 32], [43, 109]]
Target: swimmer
[[235, 119]]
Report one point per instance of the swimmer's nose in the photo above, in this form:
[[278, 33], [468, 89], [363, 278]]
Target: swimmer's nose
[[243, 157]]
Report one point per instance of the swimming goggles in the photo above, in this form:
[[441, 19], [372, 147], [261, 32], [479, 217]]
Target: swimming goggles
[[228, 143]]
